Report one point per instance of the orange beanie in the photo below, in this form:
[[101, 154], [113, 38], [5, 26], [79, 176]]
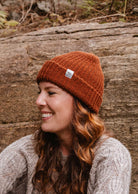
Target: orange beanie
[[79, 73]]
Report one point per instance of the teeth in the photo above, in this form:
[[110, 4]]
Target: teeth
[[46, 115]]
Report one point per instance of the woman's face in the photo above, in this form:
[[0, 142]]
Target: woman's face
[[56, 107]]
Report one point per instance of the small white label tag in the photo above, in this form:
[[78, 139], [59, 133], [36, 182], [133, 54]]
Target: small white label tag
[[69, 73]]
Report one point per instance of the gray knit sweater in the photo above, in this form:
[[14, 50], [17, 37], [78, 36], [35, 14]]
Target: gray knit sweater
[[109, 174]]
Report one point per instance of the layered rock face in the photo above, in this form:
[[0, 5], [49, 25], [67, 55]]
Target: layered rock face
[[21, 57]]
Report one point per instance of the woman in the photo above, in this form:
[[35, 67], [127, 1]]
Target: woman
[[71, 152]]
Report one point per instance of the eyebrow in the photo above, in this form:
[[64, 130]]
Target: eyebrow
[[49, 87]]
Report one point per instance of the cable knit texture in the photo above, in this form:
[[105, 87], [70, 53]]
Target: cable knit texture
[[109, 174]]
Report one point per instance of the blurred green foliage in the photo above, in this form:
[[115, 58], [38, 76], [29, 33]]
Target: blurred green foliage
[[4, 23], [104, 7]]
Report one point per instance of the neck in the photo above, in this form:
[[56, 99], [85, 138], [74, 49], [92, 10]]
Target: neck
[[65, 149], [66, 143]]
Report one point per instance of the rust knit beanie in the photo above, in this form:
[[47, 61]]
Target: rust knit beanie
[[79, 73]]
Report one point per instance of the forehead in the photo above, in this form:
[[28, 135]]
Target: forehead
[[46, 84]]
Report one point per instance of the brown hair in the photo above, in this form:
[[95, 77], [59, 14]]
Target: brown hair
[[71, 177]]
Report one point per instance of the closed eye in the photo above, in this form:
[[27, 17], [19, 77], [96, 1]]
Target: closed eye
[[51, 93]]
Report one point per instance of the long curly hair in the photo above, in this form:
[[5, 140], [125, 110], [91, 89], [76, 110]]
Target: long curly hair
[[70, 176]]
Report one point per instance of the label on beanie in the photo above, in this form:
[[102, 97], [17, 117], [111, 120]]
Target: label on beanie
[[69, 73]]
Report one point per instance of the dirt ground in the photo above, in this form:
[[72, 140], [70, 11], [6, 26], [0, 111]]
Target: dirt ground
[[33, 19]]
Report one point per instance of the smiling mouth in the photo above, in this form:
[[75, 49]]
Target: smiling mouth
[[46, 115]]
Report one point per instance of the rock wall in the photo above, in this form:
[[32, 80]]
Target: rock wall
[[21, 57]]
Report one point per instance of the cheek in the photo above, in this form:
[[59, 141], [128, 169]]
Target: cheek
[[68, 107], [63, 106]]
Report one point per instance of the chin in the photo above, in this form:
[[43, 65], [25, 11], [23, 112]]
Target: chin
[[46, 128]]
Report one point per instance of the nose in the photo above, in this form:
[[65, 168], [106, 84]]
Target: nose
[[41, 100]]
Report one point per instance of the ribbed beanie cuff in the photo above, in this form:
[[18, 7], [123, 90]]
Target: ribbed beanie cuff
[[79, 73]]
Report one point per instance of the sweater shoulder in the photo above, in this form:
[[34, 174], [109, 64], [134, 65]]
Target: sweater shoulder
[[113, 150], [111, 168], [17, 164], [110, 144], [22, 145]]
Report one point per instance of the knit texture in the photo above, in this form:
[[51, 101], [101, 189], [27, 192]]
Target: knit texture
[[79, 73], [109, 174]]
